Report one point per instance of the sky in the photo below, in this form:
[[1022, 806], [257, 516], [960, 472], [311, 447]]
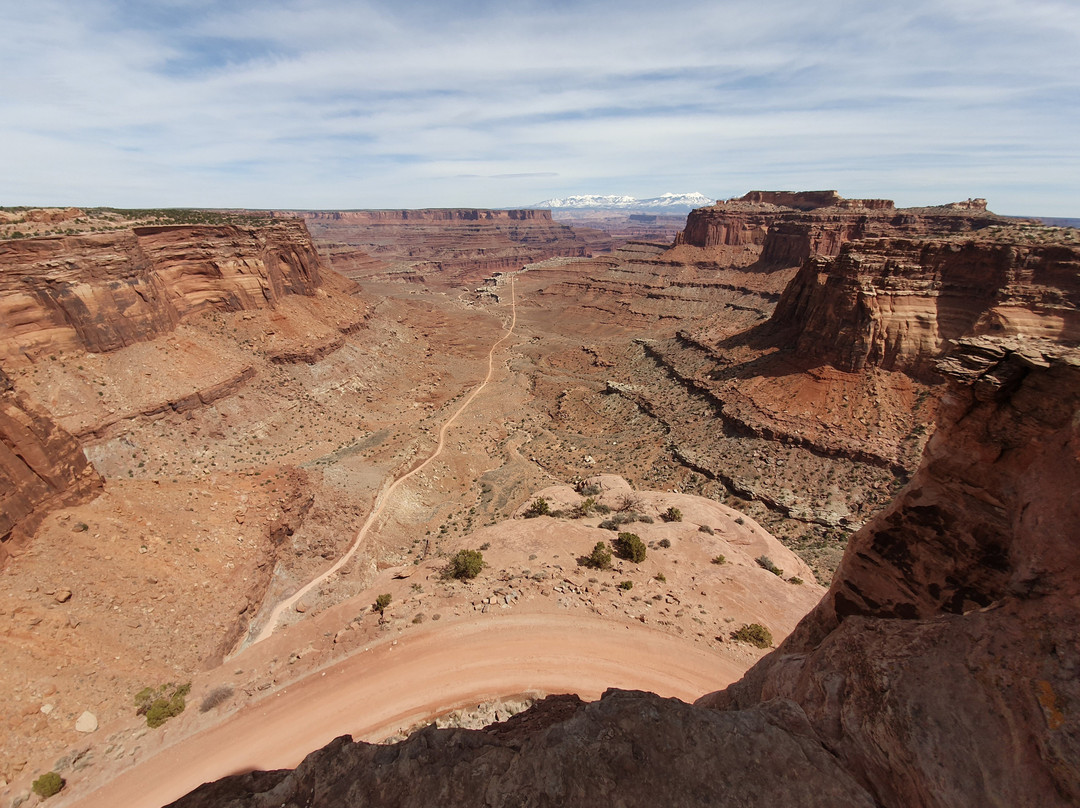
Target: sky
[[429, 103]]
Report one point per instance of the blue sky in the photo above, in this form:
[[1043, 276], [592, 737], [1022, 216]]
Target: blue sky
[[313, 103]]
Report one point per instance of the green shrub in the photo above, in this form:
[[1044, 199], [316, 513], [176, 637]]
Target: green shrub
[[47, 785], [619, 519], [598, 559], [665, 543], [755, 634], [626, 585], [381, 602], [539, 507], [766, 563], [705, 529], [794, 579], [584, 508], [672, 515], [589, 489], [161, 704], [660, 577], [630, 546], [720, 559], [465, 565]]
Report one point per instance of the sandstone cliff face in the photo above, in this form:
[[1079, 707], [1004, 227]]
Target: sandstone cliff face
[[948, 642], [791, 227], [41, 465], [940, 670], [100, 292], [896, 303]]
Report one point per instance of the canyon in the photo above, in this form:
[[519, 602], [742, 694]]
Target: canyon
[[199, 417]]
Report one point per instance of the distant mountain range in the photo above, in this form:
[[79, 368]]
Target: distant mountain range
[[673, 203]]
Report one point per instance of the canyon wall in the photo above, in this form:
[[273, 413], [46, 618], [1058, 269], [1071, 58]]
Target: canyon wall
[[41, 465], [99, 292], [786, 228], [897, 303], [453, 246]]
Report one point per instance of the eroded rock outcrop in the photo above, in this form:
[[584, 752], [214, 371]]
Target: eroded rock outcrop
[[100, 292], [940, 670], [948, 643], [783, 229], [896, 303], [41, 466]]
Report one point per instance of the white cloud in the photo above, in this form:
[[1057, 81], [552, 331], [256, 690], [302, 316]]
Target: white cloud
[[321, 103]]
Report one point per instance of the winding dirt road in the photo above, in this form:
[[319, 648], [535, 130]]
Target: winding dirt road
[[387, 491], [391, 686]]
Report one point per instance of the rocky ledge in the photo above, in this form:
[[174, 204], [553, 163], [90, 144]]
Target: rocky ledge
[[941, 669]]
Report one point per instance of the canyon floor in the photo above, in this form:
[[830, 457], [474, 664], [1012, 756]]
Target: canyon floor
[[214, 513]]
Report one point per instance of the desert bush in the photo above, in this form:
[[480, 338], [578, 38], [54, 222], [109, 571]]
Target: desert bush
[[754, 634], [766, 563], [161, 704], [618, 519], [739, 520], [626, 585], [630, 546], [598, 559], [465, 565], [661, 577], [219, 695], [720, 559], [584, 508], [589, 489], [794, 579], [628, 502], [705, 529], [665, 543], [47, 785], [672, 515], [539, 507], [644, 517], [381, 602]]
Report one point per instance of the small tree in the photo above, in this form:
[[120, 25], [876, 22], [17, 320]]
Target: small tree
[[599, 558], [672, 514], [47, 785], [381, 602], [630, 546], [539, 507], [465, 565]]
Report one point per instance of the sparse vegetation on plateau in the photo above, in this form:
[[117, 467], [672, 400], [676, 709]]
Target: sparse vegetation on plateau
[[47, 785], [381, 602], [766, 563], [161, 703], [539, 507], [626, 585], [754, 634], [219, 695], [672, 514], [598, 559], [465, 565], [630, 546]]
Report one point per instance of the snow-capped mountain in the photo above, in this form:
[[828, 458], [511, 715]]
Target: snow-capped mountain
[[675, 203]]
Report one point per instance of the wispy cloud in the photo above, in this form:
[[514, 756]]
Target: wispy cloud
[[321, 103]]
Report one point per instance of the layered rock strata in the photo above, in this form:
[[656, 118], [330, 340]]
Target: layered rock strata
[[41, 465], [946, 646], [896, 303], [100, 292], [444, 245]]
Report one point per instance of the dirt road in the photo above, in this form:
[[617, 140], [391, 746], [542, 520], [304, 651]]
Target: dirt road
[[388, 491], [391, 686]]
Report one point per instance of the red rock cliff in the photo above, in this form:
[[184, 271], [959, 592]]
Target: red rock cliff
[[41, 465], [896, 304], [100, 292]]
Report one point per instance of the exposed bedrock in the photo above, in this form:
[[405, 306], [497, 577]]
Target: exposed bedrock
[[941, 669], [100, 292], [896, 303], [41, 466], [948, 642]]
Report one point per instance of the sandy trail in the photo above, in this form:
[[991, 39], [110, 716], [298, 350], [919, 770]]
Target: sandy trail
[[387, 492], [390, 686]]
